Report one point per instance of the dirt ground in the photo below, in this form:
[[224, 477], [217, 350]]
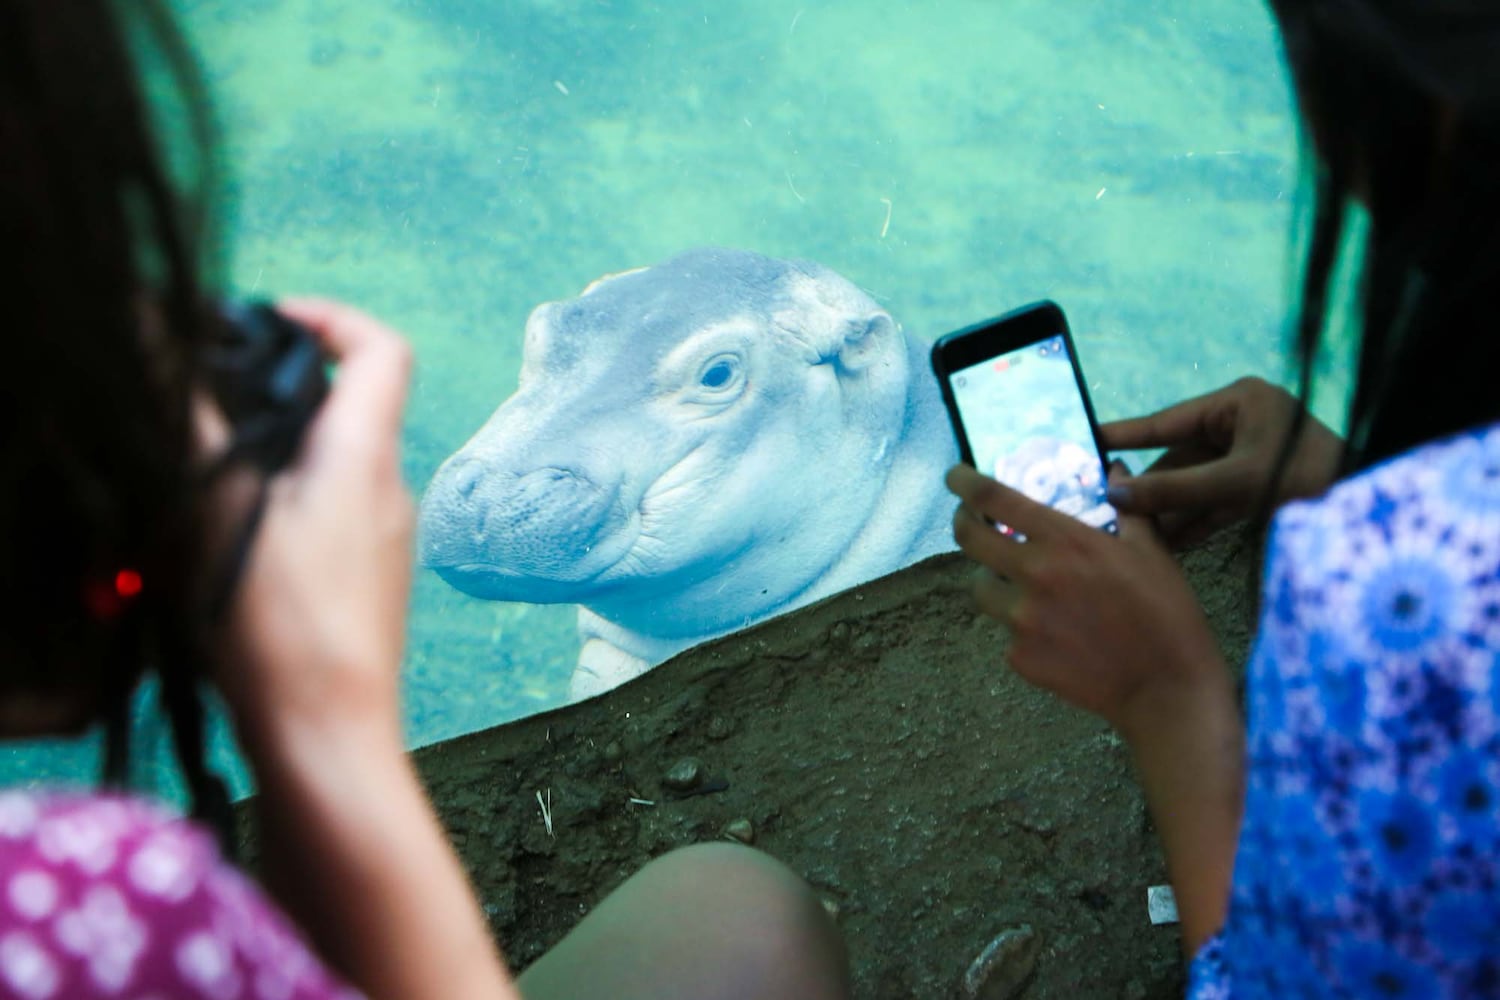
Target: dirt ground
[[876, 744]]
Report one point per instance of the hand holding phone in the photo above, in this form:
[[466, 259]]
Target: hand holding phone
[[1021, 412]]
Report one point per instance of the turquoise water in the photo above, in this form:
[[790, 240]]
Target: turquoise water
[[450, 165]]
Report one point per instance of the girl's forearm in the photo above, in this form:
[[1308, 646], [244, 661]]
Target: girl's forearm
[[1188, 741], [355, 852]]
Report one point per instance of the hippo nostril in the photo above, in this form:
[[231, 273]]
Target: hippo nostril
[[468, 477]]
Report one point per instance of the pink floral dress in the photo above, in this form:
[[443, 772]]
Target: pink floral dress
[[110, 896]]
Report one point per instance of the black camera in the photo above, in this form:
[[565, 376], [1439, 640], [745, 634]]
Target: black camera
[[269, 376]]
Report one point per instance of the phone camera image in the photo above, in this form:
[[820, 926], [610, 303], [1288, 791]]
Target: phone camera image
[[1018, 405], [1061, 473]]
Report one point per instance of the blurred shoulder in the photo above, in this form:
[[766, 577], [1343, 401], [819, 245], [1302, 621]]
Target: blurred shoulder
[[96, 834]]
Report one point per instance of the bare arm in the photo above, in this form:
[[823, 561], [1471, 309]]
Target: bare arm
[[312, 657], [1189, 750], [1110, 625], [355, 852]]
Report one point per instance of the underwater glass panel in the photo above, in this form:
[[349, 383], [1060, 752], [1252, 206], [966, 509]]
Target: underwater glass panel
[[453, 164], [450, 165]]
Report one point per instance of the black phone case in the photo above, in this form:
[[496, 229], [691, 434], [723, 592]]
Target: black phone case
[[1016, 329]]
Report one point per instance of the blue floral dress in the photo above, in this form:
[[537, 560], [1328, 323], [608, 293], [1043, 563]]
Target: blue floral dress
[[1369, 857]]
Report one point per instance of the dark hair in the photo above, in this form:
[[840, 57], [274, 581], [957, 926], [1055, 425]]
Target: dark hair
[[1401, 100], [104, 327]]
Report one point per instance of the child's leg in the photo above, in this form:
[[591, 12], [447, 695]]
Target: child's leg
[[708, 922]]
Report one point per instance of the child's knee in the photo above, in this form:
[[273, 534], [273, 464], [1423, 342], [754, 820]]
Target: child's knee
[[774, 917], [717, 872], [711, 920]]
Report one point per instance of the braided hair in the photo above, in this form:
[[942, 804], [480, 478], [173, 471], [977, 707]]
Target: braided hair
[[103, 323]]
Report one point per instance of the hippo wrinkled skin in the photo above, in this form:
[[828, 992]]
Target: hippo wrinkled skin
[[694, 447]]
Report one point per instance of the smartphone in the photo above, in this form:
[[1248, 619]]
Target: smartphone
[[1021, 411]]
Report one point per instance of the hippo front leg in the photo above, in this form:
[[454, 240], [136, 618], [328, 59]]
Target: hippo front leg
[[612, 655], [602, 667]]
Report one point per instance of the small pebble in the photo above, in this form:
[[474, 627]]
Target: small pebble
[[741, 829], [719, 727], [684, 776], [612, 751], [831, 907], [1003, 968]]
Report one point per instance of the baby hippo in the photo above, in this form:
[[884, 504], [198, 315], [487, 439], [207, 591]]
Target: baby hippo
[[694, 447]]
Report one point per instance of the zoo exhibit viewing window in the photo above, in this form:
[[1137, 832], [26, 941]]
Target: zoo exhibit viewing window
[[664, 450]]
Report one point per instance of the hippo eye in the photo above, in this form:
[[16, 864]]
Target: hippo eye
[[719, 373]]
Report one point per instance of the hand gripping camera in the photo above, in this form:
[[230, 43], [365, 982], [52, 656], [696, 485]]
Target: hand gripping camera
[[268, 374]]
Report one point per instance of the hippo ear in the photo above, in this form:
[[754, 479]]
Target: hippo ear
[[867, 339]]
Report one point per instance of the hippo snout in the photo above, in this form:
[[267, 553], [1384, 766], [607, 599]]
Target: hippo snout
[[491, 532]]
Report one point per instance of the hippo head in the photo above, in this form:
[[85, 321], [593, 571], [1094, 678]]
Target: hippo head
[[706, 432]]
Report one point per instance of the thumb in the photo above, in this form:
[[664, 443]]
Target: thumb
[[1133, 523]]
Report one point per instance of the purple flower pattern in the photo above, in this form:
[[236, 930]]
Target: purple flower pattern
[[1369, 855]]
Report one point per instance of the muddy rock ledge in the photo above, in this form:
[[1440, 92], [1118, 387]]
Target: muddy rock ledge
[[872, 742]]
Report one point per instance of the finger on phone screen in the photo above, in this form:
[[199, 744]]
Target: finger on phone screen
[[1177, 423], [1213, 485], [1130, 524]]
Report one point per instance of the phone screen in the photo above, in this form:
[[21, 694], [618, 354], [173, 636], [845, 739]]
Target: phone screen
[[1028, 426]]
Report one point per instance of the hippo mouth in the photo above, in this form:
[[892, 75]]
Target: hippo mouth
[[495, 583], [510, 536], [591, 571]]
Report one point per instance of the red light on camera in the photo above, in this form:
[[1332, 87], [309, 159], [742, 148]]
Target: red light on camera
[[127, 583], [106, 598], [1002, 364]]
